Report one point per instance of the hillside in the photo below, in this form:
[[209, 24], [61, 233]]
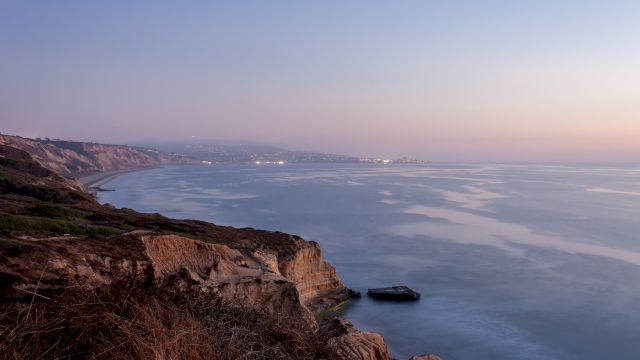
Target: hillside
[[248, 153], [75, 159], [83, 280]]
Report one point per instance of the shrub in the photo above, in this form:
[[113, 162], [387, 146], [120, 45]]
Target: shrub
[[133, 319]]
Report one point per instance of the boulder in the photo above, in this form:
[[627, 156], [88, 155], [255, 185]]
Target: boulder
[[426, 357], [398, 293]]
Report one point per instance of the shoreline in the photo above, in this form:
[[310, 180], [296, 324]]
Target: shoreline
[[92, 183]]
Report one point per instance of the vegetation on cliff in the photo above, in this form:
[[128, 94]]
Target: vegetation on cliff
[[136, 319]]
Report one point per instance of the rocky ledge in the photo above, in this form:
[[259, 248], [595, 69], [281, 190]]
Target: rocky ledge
[[260, 279]]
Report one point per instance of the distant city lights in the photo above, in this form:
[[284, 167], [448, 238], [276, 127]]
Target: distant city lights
[[279, 162]]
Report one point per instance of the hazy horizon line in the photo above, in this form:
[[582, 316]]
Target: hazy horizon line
[[151, 143]]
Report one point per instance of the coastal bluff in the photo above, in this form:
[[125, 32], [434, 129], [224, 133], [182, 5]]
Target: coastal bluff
[[76, 159], [55, 240], [237, 277]]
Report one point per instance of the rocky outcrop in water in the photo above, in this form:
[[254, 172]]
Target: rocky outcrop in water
[[426, 357]]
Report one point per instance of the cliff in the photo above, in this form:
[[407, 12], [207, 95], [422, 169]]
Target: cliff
[[75, 159], [237, 291]]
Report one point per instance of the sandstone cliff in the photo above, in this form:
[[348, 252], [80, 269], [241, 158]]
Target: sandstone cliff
[[48, 264], [74, 159]]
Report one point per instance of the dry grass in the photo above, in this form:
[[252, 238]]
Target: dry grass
[[137, 320]]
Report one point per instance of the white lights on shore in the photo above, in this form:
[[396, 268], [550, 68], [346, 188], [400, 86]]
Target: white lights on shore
[[279, 162]]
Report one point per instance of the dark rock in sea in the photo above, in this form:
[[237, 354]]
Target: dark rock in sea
[[397, 293], [426, 357], [353, 294]]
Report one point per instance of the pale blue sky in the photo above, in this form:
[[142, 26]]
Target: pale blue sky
[[448, 80]]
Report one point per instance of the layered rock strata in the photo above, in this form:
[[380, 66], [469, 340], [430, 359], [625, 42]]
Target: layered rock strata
[[72, 158]]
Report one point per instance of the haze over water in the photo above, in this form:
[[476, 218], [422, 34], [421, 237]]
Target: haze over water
[[513, 261]]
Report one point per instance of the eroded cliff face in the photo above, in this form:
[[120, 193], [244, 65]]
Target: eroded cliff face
[[243, 280], [43, 265], [73, 159], [240, 279], [310, 272]]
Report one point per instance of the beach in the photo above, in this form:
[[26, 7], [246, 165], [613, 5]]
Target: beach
[[94, 182]]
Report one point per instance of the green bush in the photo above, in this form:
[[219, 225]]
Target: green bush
[[33, 225]]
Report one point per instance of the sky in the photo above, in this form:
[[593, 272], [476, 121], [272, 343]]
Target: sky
[[474, 80]]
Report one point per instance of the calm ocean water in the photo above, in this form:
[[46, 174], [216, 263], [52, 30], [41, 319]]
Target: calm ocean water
[[513, 261]]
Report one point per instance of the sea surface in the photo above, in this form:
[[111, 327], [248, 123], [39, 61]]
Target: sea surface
[[513, 261]]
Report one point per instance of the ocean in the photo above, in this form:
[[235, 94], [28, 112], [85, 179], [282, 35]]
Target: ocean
[[514, 261]]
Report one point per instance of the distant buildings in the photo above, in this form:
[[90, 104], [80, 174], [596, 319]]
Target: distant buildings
[[262, 154], [402, 160], [279, 162]]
